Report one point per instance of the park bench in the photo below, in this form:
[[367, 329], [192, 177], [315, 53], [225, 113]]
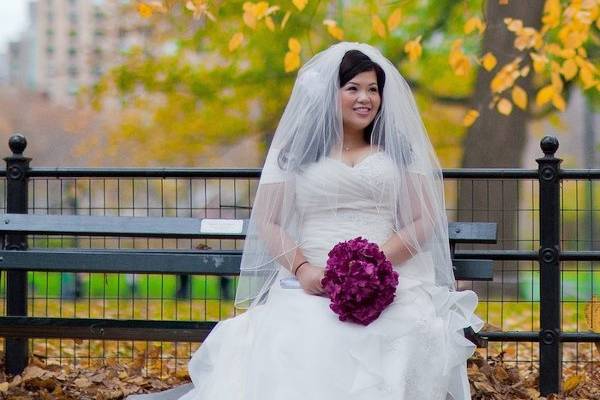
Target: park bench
[[157, 261]]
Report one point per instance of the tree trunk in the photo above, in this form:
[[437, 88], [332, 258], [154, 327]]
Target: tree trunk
[[496, 140]]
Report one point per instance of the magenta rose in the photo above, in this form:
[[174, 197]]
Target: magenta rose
[[359, 280]]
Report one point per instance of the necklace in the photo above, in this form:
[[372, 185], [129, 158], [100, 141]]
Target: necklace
[[348, 148]]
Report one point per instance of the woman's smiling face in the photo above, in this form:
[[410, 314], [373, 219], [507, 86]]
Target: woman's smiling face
[[360, 101]]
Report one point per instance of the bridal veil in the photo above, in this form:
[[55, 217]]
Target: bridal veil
[[310, 129]]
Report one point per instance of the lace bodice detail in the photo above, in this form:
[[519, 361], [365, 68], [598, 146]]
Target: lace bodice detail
[[330, 185], [339, 202]]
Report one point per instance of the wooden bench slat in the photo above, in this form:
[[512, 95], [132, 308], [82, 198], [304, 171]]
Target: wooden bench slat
[[181, 227], [472, 232], [84, 225], [200, 262], [105, 329], [473, 270]]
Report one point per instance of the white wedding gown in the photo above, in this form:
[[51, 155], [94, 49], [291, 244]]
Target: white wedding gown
[[294, 347]]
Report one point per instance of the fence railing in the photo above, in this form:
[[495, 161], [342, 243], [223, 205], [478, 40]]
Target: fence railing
[[533, 226]]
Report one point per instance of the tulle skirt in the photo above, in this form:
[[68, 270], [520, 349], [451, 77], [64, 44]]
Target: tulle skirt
[[294, 347]]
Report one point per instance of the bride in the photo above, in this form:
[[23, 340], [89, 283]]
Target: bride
[[349, 158]]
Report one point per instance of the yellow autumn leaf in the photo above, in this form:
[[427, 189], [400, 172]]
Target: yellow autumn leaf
[[519, 97], [552, 11], [569, 69], [235, 41], [587, 78], [458, 60], [527, 38], [413, 49], [566, 52], [378, 26], [270, 24], [470, 117], [571, 39], [513, 25], [506, 77], [291, 61], [294, 45], [462, 66], [504, 106], [334, 30], [539, 62], [559, 102], [249, 17], [488, 61], [300, 4], [585, 64], [552, 48], [556, 79], [571, 383], [144, 10], [544, 95], [592, 314], [260, 9], [472, 24], [394, 19], [285, 19]]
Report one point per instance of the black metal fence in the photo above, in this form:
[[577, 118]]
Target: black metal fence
[[540, 308]]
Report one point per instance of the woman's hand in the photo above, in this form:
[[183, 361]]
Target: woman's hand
[[310, 277]]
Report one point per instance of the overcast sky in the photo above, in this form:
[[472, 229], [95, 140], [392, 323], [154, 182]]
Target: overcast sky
[[13, 17]]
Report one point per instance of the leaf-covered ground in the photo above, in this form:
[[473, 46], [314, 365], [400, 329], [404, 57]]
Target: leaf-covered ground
[[111, 381], [93, 369], [491, 379]]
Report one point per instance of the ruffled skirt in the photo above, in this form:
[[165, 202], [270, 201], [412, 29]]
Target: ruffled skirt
[[294, 347]]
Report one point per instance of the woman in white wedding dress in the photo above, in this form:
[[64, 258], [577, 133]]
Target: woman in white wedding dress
[[350, 158]]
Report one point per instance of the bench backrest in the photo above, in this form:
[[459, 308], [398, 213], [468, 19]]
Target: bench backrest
[[219, 262]]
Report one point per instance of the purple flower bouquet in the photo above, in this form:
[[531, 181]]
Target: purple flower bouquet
[[359, 280]]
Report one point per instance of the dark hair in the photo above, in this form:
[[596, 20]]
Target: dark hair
[[353, 63]]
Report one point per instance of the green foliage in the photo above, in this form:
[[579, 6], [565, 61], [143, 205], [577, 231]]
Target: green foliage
[[177, 105], [185, 92]]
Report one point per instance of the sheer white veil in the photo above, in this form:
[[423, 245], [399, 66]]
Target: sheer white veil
[[310, 129]]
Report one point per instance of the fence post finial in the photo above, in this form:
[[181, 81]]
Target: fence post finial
[[549, 145], [17, 144]]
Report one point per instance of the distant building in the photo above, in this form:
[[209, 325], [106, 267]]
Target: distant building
[[76, 41], [21, 57], [15, 50], [3, 69]]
